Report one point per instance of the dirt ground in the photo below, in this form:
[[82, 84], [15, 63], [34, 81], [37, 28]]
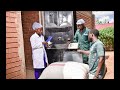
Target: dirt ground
[[109, 64], [30, 74]]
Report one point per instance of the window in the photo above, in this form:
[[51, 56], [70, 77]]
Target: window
[[58, 18]]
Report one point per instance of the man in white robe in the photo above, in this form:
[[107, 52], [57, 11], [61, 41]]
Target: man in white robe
[[39, 55]]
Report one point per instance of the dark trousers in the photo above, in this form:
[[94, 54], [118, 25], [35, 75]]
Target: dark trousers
[[38, 72]]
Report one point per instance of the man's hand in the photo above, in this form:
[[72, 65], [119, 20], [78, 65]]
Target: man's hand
[[83, 52], [100, 63], [95, 77], [80, 51], [45, 43]]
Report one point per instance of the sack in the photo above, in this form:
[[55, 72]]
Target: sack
[[65, 70], [75, 70], [53, 71]]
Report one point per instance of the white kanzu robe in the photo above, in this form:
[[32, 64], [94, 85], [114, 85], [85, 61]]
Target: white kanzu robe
[[38, 51]]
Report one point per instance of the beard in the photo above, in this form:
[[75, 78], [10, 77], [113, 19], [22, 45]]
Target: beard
[[90, 39]]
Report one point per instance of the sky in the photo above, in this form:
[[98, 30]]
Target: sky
[[102, 15]]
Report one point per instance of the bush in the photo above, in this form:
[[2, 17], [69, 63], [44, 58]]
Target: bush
[[107, 37]]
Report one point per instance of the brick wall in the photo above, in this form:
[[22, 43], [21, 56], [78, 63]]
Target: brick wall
[[87, 16], [93, 21], [14, 68], [28, 17]]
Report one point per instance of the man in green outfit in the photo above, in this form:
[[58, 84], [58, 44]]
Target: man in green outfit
[[96, 55], [81, 37]]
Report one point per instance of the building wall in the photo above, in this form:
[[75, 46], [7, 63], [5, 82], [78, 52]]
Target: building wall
[[93, 21], [28, 17], [87, 16], [21, 43], [15, 68]]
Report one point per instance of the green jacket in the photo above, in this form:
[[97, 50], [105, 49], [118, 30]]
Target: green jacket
[[83, 43]]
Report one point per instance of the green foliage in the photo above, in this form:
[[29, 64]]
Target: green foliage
[[107, 37]]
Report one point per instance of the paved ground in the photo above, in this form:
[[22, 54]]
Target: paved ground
[[109, 64]]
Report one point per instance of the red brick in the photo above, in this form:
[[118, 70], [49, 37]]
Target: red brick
[[7, 13], [11, 60], [13, 65], [18, 77], [9, 24], [11, 55], [11, 34], [12, 45], [14, 74], [27, 47], [11, 14], [11, 70], [10, 19], [12, 50], [8, 30], [10, 40], [87, 16]]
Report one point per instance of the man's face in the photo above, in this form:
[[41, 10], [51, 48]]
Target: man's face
[[90, 37], [80, 26], [40, 31]]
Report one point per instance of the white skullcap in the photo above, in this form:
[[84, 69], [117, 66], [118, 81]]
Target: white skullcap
[[36, 25], [80, 21]]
